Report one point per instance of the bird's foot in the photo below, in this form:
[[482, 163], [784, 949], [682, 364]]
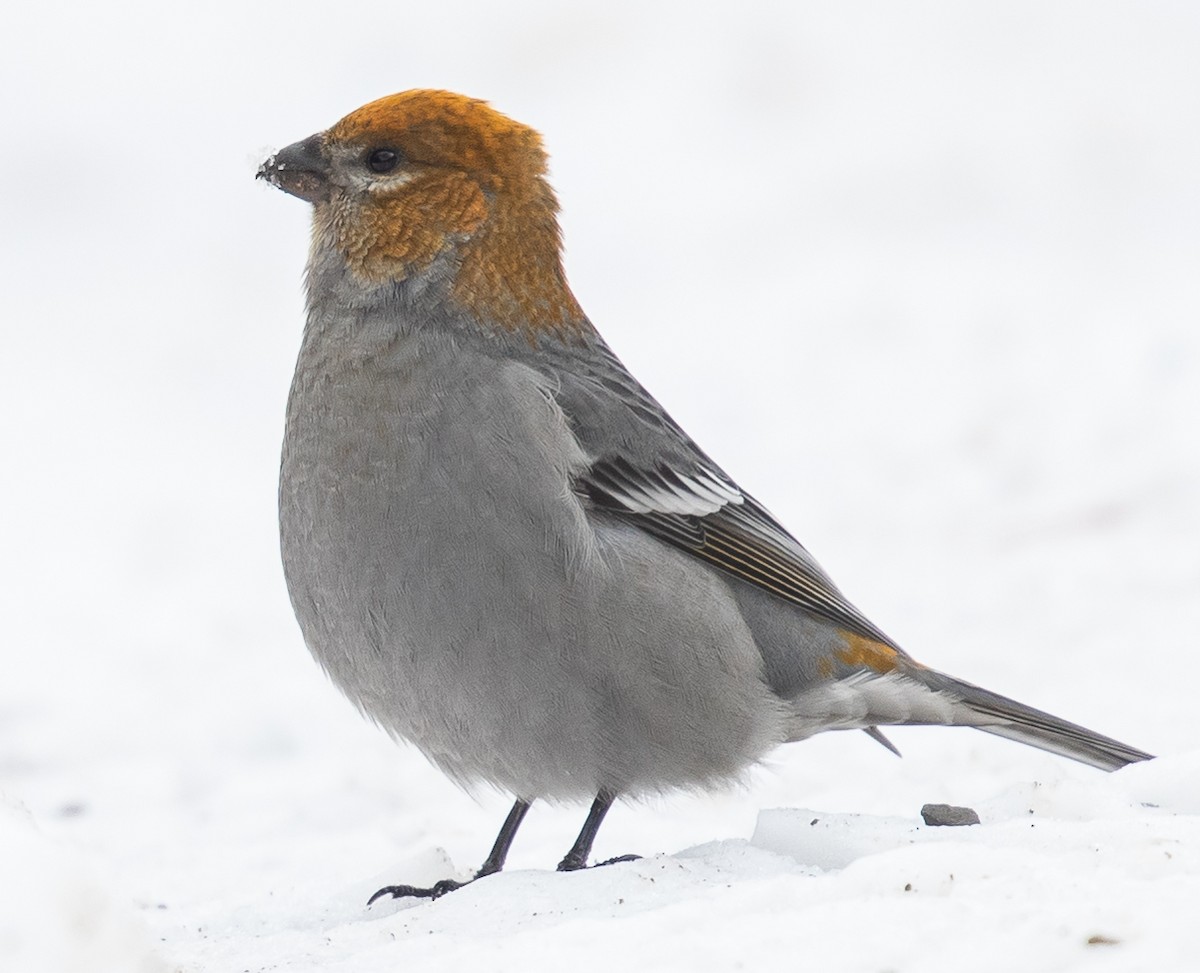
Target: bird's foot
[[448, 885], [570, 864], [435, 891], [438, 889]]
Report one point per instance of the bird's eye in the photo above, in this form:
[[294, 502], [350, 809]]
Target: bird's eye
[[383, 160]]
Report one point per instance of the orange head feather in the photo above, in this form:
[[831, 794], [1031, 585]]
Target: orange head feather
[[423, 174]]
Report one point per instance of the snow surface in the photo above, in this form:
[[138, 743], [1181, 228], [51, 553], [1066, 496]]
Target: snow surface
[[923, 277]]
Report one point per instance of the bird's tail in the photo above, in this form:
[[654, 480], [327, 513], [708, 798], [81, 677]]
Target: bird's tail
[[993, 713]]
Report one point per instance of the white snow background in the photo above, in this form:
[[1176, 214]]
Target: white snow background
[[923, 277]]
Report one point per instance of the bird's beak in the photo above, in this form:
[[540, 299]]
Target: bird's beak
[[300, 169]]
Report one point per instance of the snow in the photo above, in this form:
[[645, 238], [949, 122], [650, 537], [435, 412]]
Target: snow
[[922, 277], [57, 914]]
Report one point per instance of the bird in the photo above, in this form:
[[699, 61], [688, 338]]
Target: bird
[[500, 546]]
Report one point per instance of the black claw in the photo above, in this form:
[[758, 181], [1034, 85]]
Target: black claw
[[435, 891], [570, 864], [618, 860]]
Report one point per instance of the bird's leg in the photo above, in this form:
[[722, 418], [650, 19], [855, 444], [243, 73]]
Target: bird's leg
[[578, 855], [504, 840], [495, 862]]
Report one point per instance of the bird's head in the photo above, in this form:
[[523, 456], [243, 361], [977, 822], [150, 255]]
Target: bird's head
[[431, 176]]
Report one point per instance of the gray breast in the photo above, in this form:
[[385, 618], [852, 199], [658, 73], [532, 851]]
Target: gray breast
[[458, 592]]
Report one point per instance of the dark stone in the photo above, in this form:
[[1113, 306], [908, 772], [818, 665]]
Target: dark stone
[[948, 816]]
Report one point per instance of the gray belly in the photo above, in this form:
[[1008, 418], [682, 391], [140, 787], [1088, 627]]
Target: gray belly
[[455, 589]]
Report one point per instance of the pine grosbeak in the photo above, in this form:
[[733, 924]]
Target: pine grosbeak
[[499, 545]]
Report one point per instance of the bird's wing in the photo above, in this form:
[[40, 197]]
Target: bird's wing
[[647, 471]]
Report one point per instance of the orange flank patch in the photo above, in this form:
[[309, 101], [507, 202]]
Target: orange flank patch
[[864, 653]]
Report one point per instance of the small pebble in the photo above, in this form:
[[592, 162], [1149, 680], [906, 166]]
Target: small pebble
[[948, 816]]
